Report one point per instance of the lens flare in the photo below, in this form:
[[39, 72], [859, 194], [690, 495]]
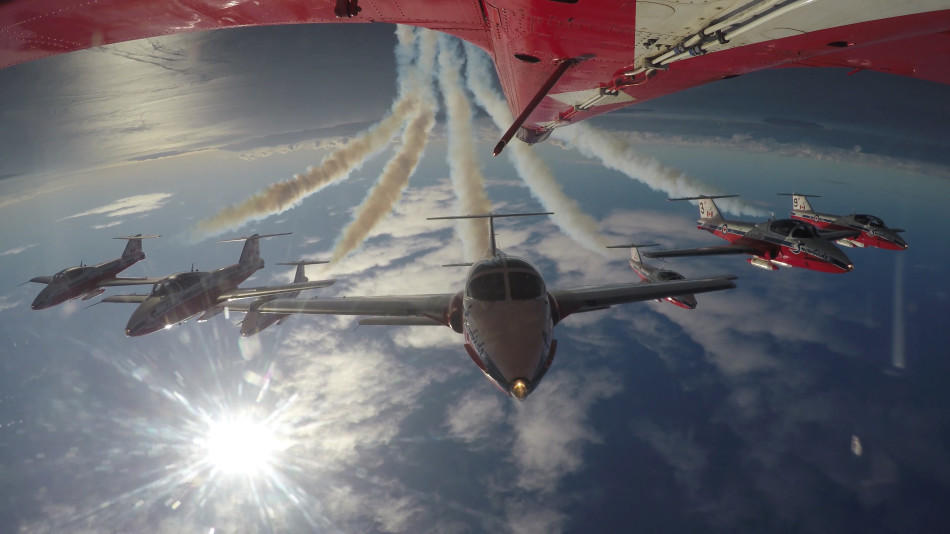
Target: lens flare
[[241, 446]]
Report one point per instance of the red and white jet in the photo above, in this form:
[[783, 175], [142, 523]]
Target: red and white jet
[[558, 62], [505, 312], [785, 242], [874, 233], [649, 273]]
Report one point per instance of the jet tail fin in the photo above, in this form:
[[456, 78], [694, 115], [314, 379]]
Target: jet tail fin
[[300, 275], [800, 201], [491, 221], [133, 249], [707, 205], [634, 250], [251, 253]]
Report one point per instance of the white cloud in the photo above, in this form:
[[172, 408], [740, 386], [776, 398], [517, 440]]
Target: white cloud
[[17, 250], [551, 429], [106, 225], [127, 206], [475, 415], [524, 517], [7, 304]]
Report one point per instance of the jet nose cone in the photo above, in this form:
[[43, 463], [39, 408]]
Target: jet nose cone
[[519, 388]]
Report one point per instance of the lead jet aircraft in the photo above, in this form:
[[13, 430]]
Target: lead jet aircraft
[[88, 281], [180, 296], [255, 321], [874, 233], [785, 242], [649, 273], [558, 62], [505, 312]]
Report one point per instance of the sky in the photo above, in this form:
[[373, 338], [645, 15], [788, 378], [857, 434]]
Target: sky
[[739, 415]]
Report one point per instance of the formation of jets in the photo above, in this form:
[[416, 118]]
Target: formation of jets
[[806, 240], [504, 310], [174, 298]]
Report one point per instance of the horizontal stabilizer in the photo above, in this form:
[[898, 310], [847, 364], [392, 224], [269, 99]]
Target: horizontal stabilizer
[[255, 236], [303, 262], [41, 279], [702, 251], [700, 197], [399, 321], [633, 245], [797, 195], [491, 222], [138, 236], [489, 215], [251, 292], [124, 299], [463, 264]]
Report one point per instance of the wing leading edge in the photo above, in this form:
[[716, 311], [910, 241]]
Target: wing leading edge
[[127, 299], [116, 282], [434, 306], [585, 299], [702, 251], [251, 292]]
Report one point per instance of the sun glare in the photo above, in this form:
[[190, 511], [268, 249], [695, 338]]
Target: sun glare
[[240, 446]]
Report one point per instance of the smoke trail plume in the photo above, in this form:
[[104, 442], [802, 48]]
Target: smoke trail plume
[[898, 349], [391, 183], [567, 214], [467, 179], [282, 196], [396, 173], [617, 153]]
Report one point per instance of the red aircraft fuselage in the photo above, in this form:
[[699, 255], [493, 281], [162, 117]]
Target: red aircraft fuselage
[[637, 50]]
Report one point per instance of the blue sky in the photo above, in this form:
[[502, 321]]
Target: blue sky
[[738, 414]]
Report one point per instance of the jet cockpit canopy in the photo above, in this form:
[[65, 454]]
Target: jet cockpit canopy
[[512, 278], [669, 275], [869, 220], [176, 282], [793, 228]]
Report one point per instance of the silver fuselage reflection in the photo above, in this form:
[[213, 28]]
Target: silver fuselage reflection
[[183, 295], [507, 324]]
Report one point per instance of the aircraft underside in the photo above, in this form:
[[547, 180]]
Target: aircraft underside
[[618, 55]]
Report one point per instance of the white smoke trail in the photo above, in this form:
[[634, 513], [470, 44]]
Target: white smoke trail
[[395, 176], [617, 153], [392, 182], [898, 348], [281, 196], [567, 214], [467, 179]]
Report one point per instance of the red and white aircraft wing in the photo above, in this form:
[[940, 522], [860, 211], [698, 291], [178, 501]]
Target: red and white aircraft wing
[[636, 50]]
